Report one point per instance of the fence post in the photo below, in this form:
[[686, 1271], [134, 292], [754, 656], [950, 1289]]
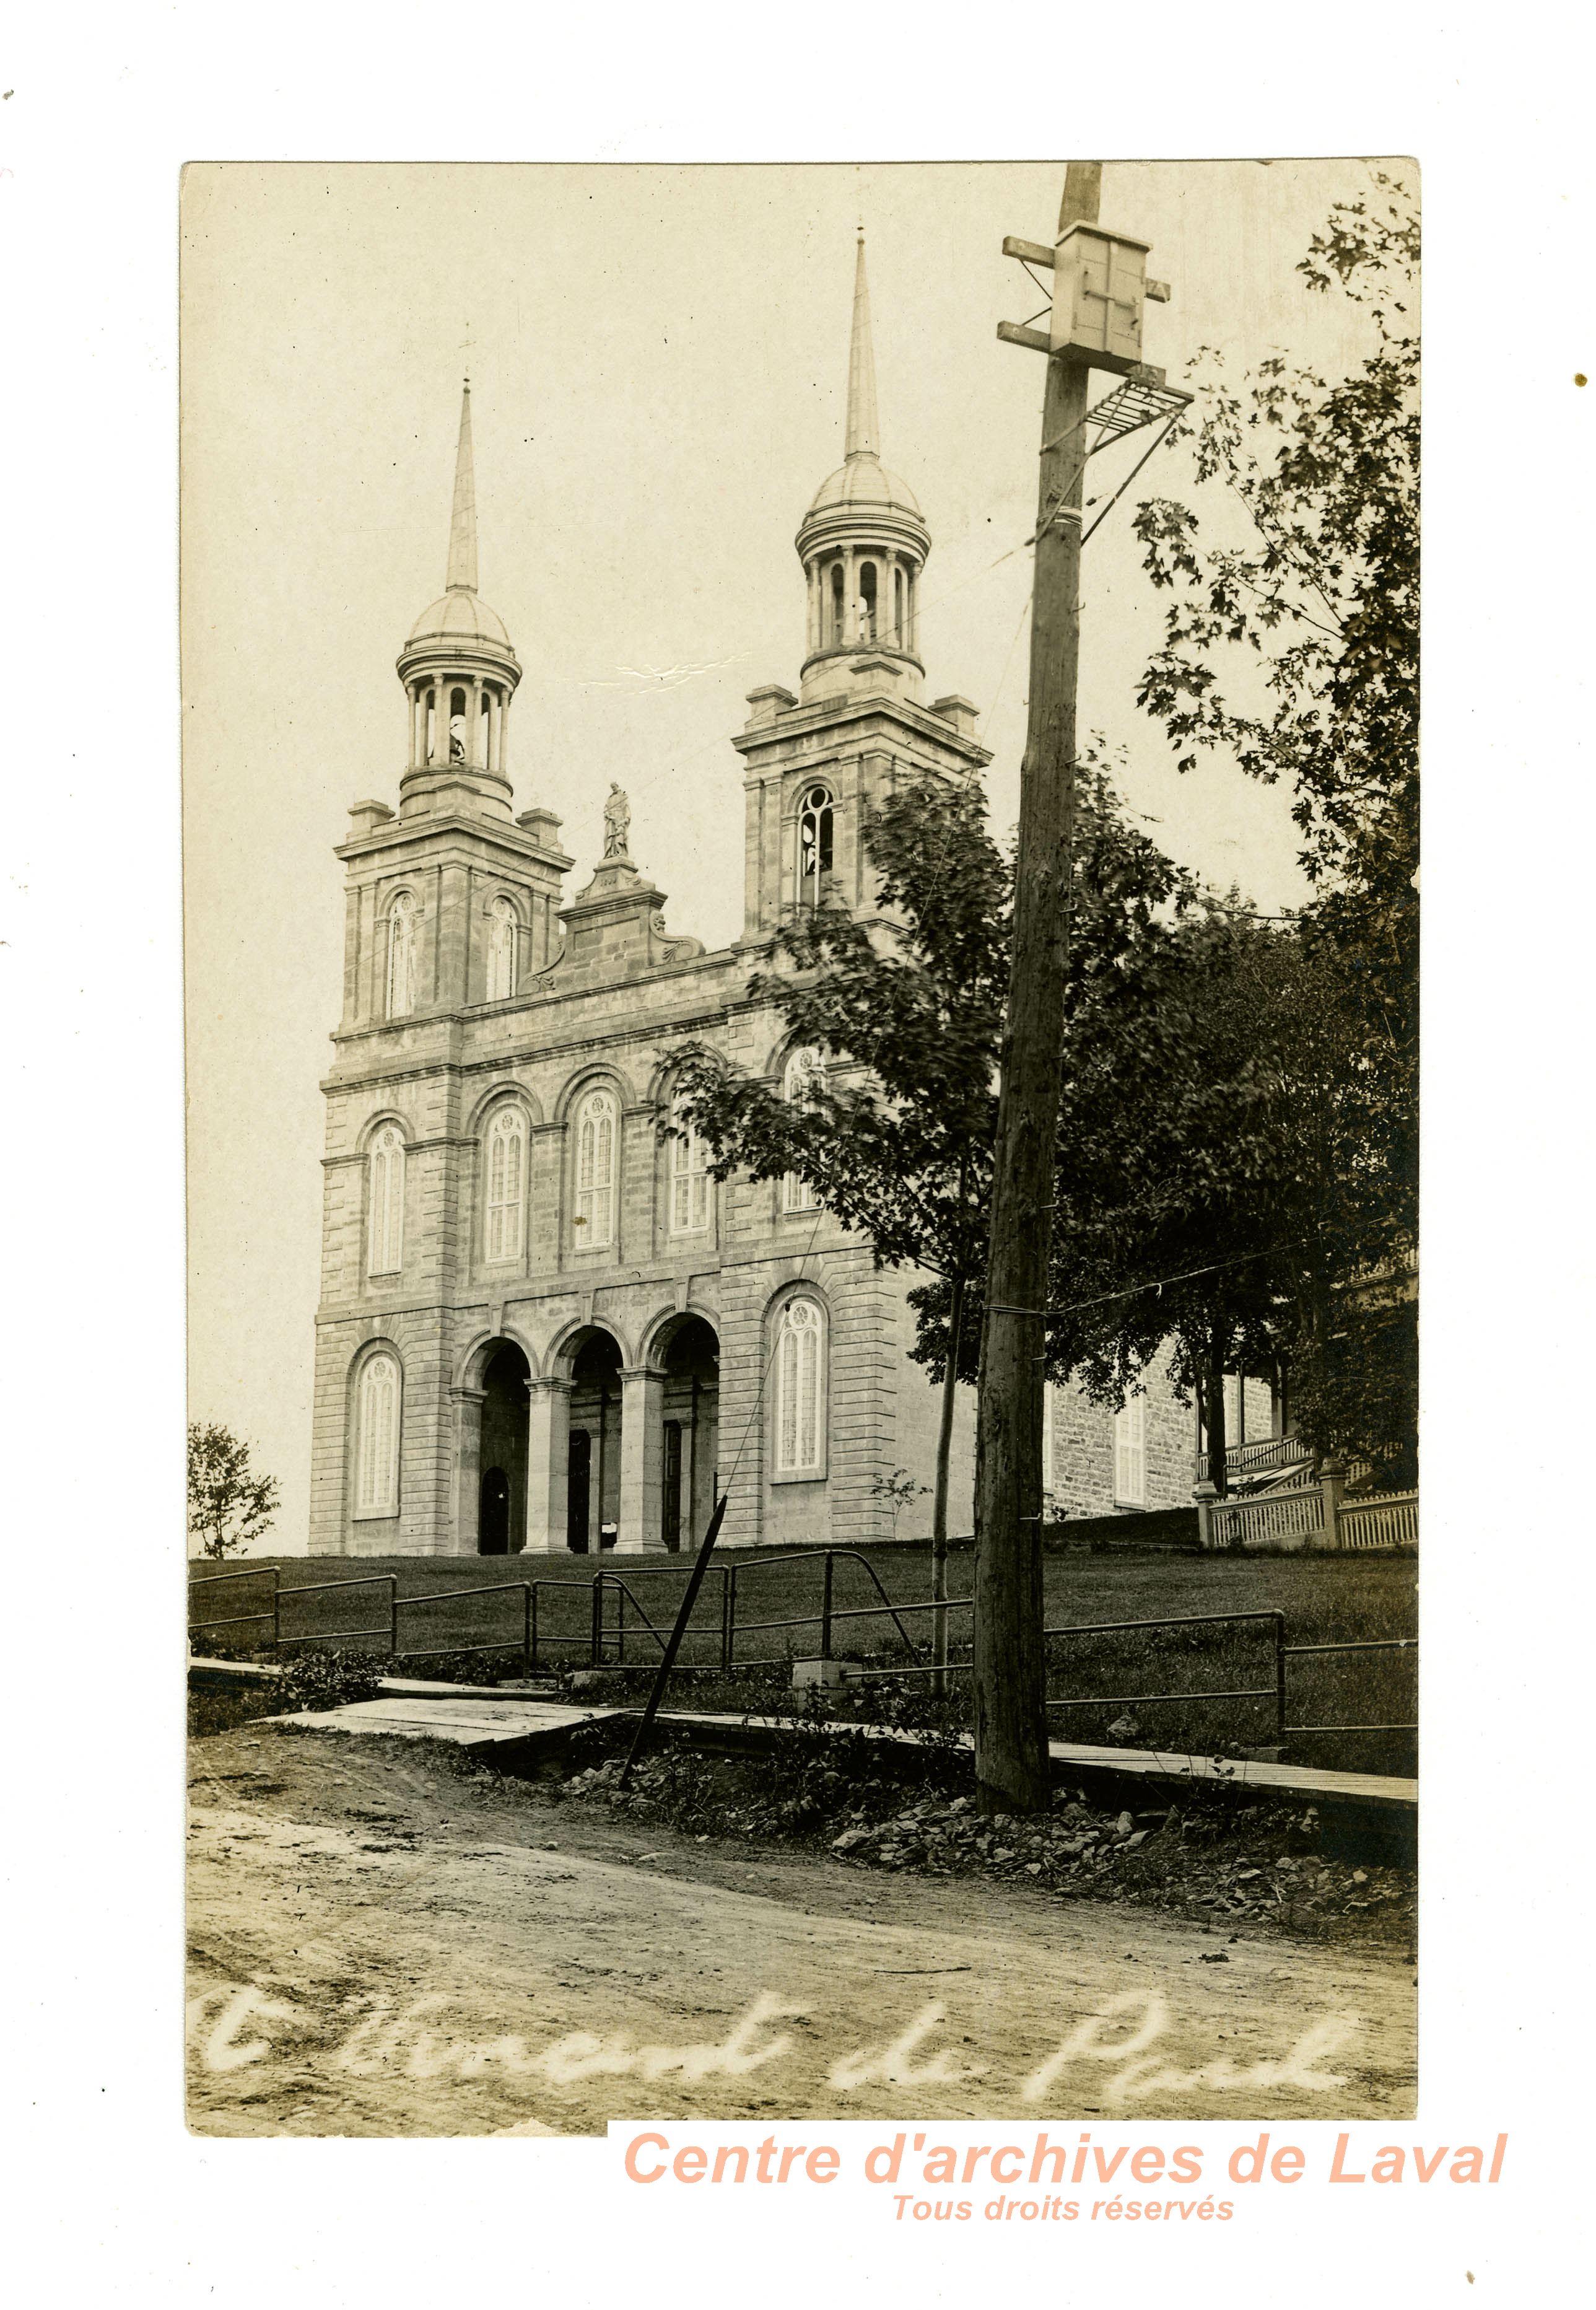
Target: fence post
[[726, 1618], [596, 1649], [276, 1610], [526, 1627], [1333, 1483], [620, 1626], [826, 1610], [730, 1616], [392, 1616], [1280, 1674], [1204, 1496], [532, 1590]]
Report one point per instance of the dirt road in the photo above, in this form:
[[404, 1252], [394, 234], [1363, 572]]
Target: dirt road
[[378, 1946]]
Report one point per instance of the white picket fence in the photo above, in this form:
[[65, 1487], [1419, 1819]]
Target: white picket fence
[[1390, 1521], [1310, 1517], [1277, 1520]]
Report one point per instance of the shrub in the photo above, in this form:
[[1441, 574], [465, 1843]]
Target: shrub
[[328, 1679]]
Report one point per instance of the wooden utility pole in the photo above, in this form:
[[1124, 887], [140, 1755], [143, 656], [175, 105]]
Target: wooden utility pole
[[1011, 1769]]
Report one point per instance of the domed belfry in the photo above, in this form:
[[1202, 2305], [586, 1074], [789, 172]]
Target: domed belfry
[[862, 543], [817, 762], [460, 674]]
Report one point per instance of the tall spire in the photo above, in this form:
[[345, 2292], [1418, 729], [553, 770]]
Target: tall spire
[[462, 527], [862, 423]]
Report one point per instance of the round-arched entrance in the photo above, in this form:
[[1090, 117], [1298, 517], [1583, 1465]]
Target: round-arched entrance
[[501, 1488], [689, 1355], [593, 1484]]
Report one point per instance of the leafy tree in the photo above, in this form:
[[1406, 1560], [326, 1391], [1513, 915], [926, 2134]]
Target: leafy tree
[[896, 1137], [1291, 644], [1197, 1133], [227, 1506]]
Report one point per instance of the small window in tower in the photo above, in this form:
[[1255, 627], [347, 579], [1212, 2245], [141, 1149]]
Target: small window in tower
[[837, 610], [401, 956], [803, 1075], [503, 931], [898, 626], [457, 726], [869, 630], [814, 845]]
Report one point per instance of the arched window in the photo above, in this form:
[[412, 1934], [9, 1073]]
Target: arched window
[[869, 623], [505, 1167], [814, 845], [804, 1071], [801, 1390], [457, 726], [386, 1200], [899, 622], [402, 956], [595, 1170], [689, 1180], [839, 608], [376, 1437], [502, 928]]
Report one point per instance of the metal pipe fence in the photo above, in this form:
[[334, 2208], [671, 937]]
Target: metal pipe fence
[[603, 1638]]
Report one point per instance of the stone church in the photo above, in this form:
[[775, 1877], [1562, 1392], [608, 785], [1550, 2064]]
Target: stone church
[[543, 1324]]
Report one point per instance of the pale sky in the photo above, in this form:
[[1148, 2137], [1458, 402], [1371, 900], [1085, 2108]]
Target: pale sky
[[658, 359]]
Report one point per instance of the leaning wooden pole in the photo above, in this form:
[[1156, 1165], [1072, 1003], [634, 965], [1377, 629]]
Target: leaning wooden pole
[[1011, 1765], [668, 1660]]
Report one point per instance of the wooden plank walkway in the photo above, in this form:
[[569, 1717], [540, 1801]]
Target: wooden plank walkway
[[497, 1726]]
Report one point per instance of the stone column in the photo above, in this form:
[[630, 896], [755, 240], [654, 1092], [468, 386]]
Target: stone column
[[468, 1461], [1205, 1494], [548, 1462], [1333, 1483], [642, 1461]]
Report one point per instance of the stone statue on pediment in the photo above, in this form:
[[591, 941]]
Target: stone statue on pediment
[[618, 823]]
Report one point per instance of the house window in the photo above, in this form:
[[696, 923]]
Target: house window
[[385, 1197], [507, 1173], [1129, 1453], [402, 956], [502, 928], [595, 1171], [814, 845], [376, 1429], [801, 1390], [690, 1181], [805, 1072]]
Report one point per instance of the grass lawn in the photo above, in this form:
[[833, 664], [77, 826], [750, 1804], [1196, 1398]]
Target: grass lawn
[[1325, 1600]]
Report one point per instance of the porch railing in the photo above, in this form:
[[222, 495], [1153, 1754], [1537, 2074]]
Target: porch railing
[[1260, 1458]]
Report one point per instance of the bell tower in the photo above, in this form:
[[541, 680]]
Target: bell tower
[[459, 674], [454, 900], [817, 763], [864, 544]]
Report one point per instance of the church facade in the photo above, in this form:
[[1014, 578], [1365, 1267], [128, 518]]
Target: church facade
[[542, 1326]]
